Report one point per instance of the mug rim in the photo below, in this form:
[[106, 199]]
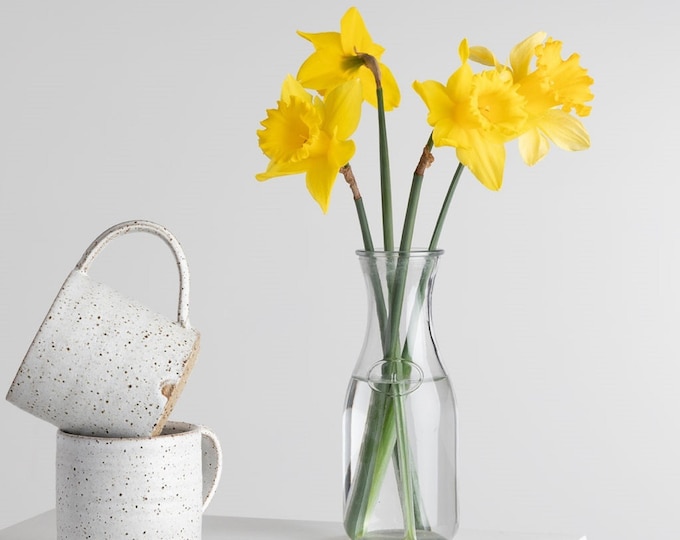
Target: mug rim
[[182, 428]]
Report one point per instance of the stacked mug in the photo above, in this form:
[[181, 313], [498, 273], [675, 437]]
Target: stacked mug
[[107, 371]]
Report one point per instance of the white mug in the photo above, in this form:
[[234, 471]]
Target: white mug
[[103, 364], [111, 488]]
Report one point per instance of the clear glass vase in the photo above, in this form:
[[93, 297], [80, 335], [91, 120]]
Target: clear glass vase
[[400, 415]]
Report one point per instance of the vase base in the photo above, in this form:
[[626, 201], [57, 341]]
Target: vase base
[[399, 535]]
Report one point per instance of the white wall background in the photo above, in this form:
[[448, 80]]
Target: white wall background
[[557, 302]]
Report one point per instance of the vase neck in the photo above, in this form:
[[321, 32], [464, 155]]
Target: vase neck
[[399, 330]]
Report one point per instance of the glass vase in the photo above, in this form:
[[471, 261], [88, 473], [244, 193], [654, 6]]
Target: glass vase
[[399, 424]]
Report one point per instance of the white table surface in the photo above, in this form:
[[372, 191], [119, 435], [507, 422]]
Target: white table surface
[[43, 527]]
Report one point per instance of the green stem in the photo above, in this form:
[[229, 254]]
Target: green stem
[[405, 354], [414, 197], [410, 218], [406, 476], [403, 461], [368, 246], [363, 223], [363, 483], [404, 468], [394, 430], [378, 442], [397, 298], [385, 181], [351, 180], [385, 450], [445, 207], [386, 436], [403, 454]]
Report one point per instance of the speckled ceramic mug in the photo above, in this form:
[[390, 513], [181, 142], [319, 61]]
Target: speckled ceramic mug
[[103, 364], [136, 488]]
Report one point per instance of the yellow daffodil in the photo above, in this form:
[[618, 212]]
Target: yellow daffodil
[[477, 113], [337, 59], [553, 90], [306, 134]]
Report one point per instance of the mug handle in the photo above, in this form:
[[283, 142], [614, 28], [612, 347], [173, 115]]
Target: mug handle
[[212, 464], [160, 231]]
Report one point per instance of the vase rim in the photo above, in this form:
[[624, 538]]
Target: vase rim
[[415, 252]]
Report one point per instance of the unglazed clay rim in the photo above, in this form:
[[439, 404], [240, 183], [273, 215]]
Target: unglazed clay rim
[[177, 389], [186, 427]]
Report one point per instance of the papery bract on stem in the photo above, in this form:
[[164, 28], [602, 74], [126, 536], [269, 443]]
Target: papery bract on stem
[[307, 134], [337, 58]]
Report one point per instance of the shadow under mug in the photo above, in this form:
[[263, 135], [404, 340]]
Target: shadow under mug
[[137, 487]]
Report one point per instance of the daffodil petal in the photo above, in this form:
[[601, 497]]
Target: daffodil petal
[[437, 100], [322, 40], [564, 130], [448, 132], [464, 50], [459, 83], [275, 169], [355, 37], [485, 160], [533, 146], [391, 93], [343, 109], [483, 56], [292, 87], [320, 179], [340, 152], [368, 86], [522, 53], [322, 71]]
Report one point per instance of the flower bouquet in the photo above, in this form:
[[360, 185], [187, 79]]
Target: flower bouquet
[[400, 411]]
